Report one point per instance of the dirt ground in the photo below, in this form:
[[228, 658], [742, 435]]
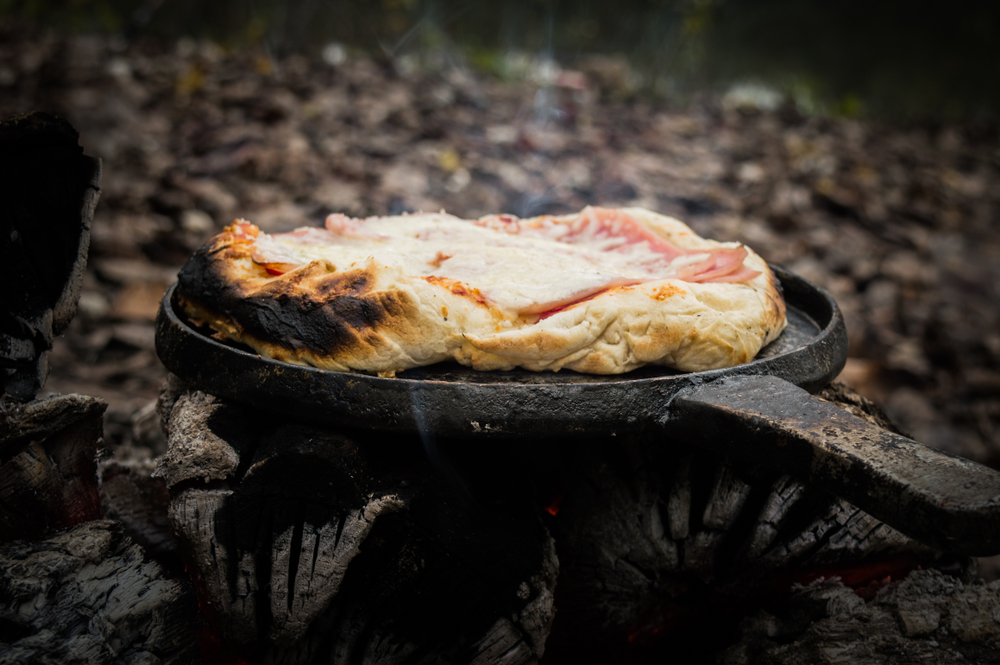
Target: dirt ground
[[899, 223]]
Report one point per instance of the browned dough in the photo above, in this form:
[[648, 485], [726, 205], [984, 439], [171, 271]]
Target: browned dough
[[373, 318]]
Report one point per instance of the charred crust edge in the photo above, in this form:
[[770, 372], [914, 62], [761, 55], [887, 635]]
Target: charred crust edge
[[332, 314]]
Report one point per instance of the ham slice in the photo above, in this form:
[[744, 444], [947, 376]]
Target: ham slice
[[619, 232], [532, 266], [721, 265]]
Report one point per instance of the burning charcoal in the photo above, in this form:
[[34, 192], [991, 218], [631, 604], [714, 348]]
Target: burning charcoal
[[49, 191]]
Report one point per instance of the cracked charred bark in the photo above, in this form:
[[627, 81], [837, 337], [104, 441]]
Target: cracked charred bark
[[926, 618], [88, 595], [139, 502], [73, 588], [48, 476], [657, 538], [320, 547], [315, 547]]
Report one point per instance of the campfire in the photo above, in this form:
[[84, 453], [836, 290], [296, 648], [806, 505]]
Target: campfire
[[377, 511], [358, 544], [407, 531]]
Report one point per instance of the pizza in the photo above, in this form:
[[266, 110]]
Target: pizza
[[603, 291]]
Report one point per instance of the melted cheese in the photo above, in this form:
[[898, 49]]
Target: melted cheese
[[523, 270]]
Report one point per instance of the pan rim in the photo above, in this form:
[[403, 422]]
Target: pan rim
[[341, 397]]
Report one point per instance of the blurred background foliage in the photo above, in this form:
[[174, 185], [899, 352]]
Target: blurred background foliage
[[894, 58]]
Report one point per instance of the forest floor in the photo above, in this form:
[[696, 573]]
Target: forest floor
[[900, 223]]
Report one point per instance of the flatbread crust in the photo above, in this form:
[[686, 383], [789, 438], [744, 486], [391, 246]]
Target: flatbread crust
[[371, 317]]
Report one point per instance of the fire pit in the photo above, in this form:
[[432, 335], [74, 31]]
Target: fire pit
[[754, 409], [344, 510]]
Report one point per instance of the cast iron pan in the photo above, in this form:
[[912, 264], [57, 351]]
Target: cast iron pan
[[759, 410]]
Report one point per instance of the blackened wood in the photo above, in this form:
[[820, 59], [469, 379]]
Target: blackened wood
[[311, 547], [89, 595], [929, 617], [858, 405], [130, 495], [48, 192], [204, 437], [657, 540], [664, 543], [48, 477], [22, 424], [946, 501]]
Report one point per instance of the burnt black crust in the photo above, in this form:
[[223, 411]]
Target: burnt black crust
[[335, 314]]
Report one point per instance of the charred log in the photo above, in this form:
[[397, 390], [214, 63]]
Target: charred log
[[139, 502], [48, 191], [660, 542], [48, 477], [88, 595], [131, 495], [314, 546], [309, 546], [927, 618]]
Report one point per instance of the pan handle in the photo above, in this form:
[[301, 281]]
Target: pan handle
[[944, 501]]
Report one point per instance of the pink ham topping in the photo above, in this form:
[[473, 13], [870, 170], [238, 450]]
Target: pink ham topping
[[341, 224], [621, 232], [724, 264], [593, 229]]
